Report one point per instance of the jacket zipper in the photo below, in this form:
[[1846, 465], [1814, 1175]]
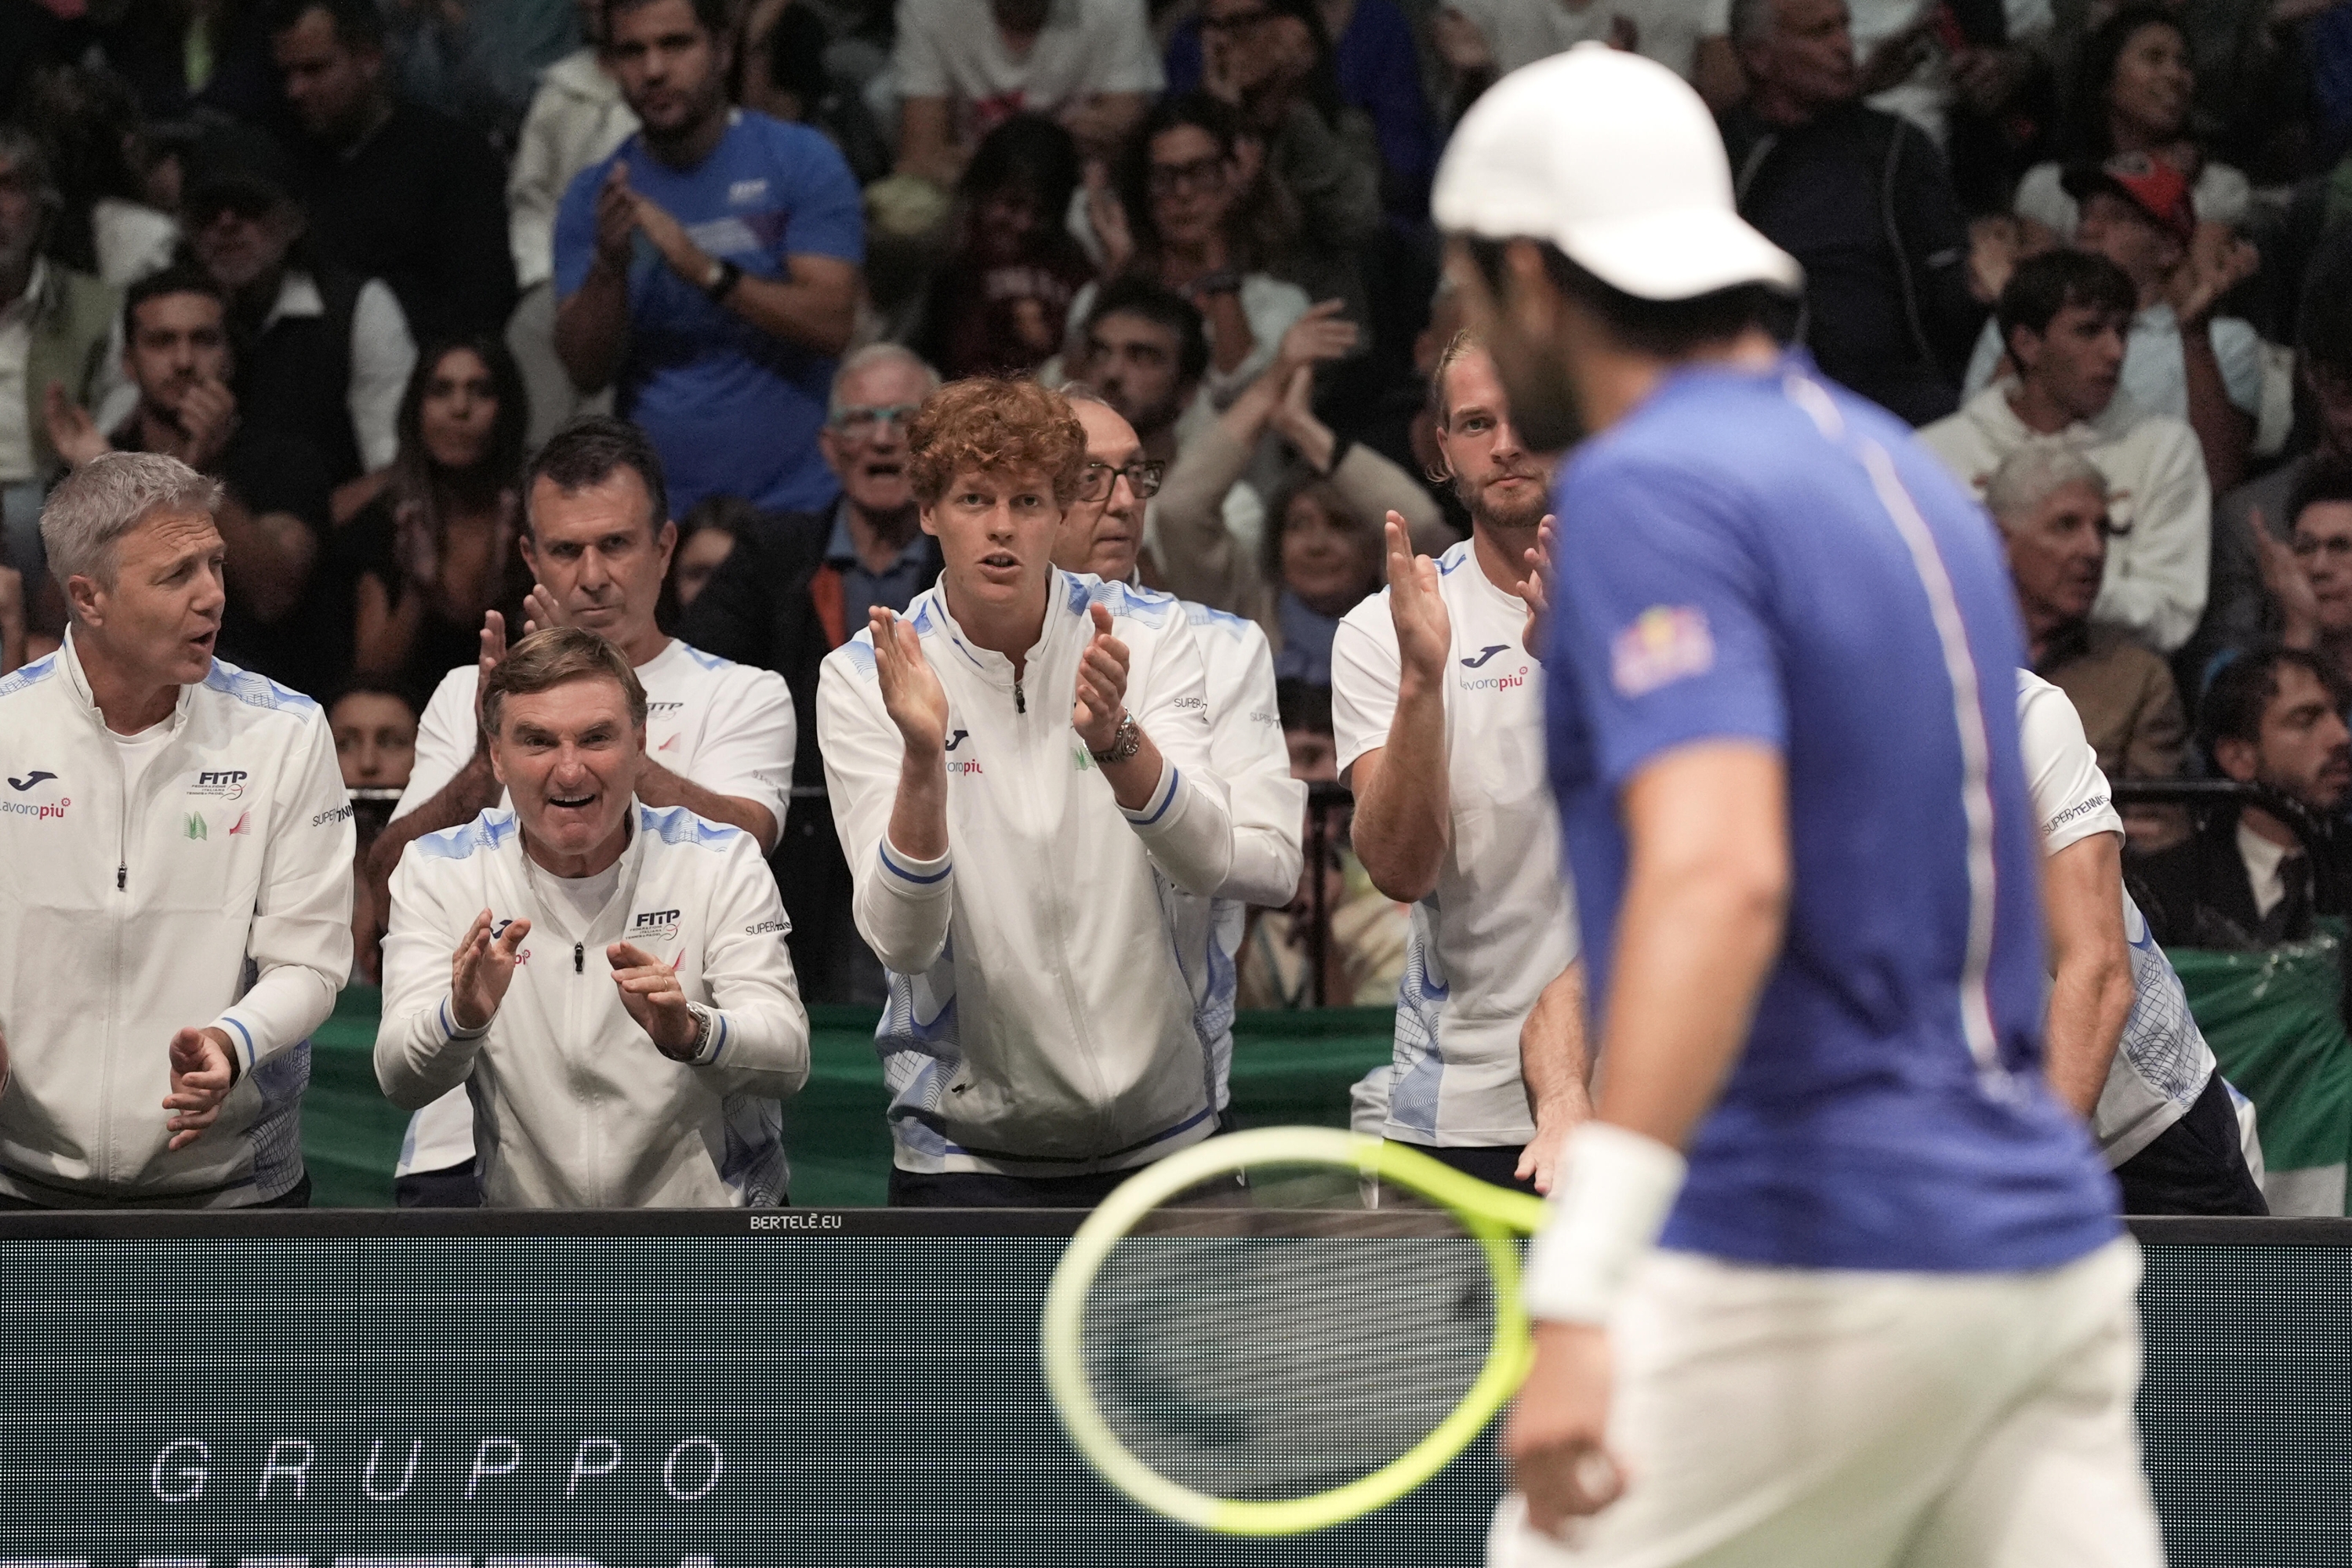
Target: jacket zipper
[[1059, 923], [1020, 703], [578, 958]]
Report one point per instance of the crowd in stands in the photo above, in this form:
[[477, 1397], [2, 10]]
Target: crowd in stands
[[358, 259]]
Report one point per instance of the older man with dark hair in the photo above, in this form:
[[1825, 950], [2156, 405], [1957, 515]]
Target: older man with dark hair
[[175, 840], [652, 1076]]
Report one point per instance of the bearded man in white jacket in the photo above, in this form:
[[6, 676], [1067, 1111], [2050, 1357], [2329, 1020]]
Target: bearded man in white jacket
[[642, 1060], [1015, 765], [175, 874]]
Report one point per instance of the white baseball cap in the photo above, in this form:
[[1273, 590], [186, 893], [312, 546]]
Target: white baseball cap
[[1613, 159]]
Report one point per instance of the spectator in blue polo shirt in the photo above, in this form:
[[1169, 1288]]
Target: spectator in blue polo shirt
[[708, 269]]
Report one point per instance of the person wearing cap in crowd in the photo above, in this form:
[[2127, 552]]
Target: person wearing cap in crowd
[[1877, 1165], [2180, 359], [2063, 315], [322, 354]]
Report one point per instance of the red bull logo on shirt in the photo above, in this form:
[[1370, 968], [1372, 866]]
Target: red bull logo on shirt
[[1666, 643]]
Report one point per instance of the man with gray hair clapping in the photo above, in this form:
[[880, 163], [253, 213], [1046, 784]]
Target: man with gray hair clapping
[[2051, 501], [175, 842]]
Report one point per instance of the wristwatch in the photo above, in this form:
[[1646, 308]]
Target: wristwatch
[[721, 281], [1125, 741], [701, 1032]]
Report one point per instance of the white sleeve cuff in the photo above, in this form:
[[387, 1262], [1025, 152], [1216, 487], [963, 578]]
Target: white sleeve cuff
[[447, 1016], [1155, 806], [910, 878], [1612, 1199]]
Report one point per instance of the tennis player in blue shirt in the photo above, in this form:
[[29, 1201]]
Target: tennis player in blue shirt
[[1831, 1278]]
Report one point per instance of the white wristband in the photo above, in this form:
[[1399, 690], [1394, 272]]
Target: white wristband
[[1611, 1200]]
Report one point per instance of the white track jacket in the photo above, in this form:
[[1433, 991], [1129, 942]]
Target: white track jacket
[[573, 1105], [1040, 1022], [216, 894]]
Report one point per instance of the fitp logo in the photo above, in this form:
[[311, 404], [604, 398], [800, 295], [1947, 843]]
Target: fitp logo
[[229, 783], [653, 925]]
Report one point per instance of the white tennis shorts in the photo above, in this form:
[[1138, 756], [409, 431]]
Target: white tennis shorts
[[1807, 1418]]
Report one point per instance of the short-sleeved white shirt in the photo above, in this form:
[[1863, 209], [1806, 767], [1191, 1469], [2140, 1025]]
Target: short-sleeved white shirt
[[1500, 924], [953, 49], [726, 727], [2163, 1062]]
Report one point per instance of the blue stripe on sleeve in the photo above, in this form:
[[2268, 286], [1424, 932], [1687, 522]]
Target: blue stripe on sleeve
[[1175, 774], [938, 876]]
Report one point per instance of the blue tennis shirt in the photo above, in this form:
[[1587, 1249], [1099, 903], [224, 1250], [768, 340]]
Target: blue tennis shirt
[[1764, 556]]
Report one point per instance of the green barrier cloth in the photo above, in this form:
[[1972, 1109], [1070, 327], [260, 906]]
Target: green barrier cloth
[[1289, 1069], [2273, 1020]]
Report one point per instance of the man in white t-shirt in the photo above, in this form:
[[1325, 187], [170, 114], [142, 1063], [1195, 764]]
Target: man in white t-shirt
[[719, 736], [963, 67], [2122, 1046], [1437, 707]]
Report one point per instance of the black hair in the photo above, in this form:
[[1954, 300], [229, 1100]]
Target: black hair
[[1262, 224], [2245, 689], [716, 17], [2322, 339], [413, 470], [2086, 132], [1669, 329], [586, 452], [1028, 152], [795, 56], [1303, 706], [358, 26], [1133, 296], [1322, 84], [88, 118], [180, 278], [731, 515], [374, 686], [2321, 482], [2043, 285]]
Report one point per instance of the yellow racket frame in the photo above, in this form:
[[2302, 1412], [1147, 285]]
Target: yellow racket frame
[[1495, 1216]]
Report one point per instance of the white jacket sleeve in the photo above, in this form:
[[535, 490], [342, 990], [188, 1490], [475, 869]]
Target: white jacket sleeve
[[300, 941], [1186, 824], [2157, 574], [419, 1055], [759, 1030], [1268, 805], [902, 905]]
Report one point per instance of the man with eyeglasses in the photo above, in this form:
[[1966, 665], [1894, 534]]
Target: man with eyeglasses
[[2051, 503], [2064, 317], [1101, 533], [796, 587]]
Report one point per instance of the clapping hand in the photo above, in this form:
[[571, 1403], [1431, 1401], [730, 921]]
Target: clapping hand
[[1424, 631], [650, 990], [1535, 586], [207, 418], [1101, 699], [2287, 584], [482, 968], [202, 1071], [2217, 261], [911, 692], [71, 430]]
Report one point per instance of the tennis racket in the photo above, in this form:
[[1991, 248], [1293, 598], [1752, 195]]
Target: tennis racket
[[1283, 1330]]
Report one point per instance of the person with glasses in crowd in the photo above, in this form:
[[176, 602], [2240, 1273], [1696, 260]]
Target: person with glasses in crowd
[[796, 587], [597, 535]]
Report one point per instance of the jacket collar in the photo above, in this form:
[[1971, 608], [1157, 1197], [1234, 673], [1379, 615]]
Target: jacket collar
[[77, 682], [1990, 411], [1061, 591]]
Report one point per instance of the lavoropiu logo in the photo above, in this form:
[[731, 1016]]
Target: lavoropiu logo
[[1501, 679], [50, 812]]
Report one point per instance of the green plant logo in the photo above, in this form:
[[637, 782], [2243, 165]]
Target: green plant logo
[[196, 827]]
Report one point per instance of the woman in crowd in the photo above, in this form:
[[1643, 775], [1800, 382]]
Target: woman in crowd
[[2133, 93], [1001, 303], [1196, 212], [436, 549], [707, 536]]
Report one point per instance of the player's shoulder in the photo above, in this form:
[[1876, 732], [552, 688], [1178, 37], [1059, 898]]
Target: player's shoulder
[[39, 672], [252, 700], [678, 827], [1081, 591], [487, 834]]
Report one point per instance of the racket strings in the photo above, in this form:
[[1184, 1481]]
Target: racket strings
[[1283, 1338]]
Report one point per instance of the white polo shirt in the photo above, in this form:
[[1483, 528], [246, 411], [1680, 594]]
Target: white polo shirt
[[724, 726], [1500, 923]]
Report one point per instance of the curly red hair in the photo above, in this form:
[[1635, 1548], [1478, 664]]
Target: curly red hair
[[1011, 426]]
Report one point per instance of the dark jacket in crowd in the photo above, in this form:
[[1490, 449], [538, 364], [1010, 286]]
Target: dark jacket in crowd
[[2198, 893], [1863, 199], [295, 377], [421, 204]]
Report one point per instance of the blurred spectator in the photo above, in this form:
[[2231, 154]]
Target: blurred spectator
[[2309, 575], [2052, 505], [2322, 358], [1195, 215], [707, 536], [2134, 88], [962, 65], [478, 61], [1478, 40], [577, 118], [1146, 351], [2274, 717], [272, 513], [1364, 949], [785, 64], [1001, 304], [1894, 284], [57, 326], [1320, 549], [2063, 316], [322, 354], [436, 550], [1377, 65], [707, 271], [2181, 360], [796, 587], [190, 58], [375, 735], [15, 635], [394, 190], [1271, 61], [105, 223]]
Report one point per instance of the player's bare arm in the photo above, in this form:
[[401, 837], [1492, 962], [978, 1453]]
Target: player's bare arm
[[2091, 989], [918, 705], [1405, 819], [1556, 1063]]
